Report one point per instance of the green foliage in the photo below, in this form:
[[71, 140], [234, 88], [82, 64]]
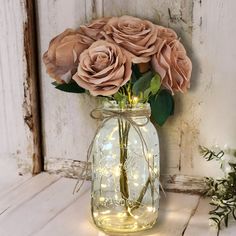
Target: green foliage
[[148, 84], [222, 191], [162, 106], [71, 87], [155, 84], [136, 74], [209, 154]]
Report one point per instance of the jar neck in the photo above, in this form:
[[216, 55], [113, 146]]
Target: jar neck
[[139, 110]]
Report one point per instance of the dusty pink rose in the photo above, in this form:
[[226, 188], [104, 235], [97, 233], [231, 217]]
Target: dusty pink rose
[[135, 35], [103, 69], [166, 34], [62, 57], [93, 29], [174, 66]]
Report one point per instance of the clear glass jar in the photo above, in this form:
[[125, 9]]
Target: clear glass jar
[[125, 170]]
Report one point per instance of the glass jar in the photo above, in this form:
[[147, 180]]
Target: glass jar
[[125, 170]]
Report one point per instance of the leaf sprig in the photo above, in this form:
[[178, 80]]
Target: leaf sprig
[[222, 191]]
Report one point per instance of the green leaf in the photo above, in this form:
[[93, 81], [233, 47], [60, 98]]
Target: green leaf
[[148, 83], [71, 87], [155, 84], [142, 83], [136, 74], [119, 97], [162, 106]]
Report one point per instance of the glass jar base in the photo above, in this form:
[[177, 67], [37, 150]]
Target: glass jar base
[[123, 223]]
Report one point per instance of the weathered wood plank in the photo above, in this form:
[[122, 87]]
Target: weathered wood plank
[[67, 126], [9, 176], [175, 183], [32, 118], [24, 192], [199, 224], [74, 221], [38, 211], [175, 211], [18, 103]]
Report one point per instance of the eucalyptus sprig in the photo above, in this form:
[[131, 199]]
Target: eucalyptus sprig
[[222, 191]]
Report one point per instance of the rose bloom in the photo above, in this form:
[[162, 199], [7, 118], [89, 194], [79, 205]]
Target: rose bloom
[[94, 28], [173, 66], [135, 35], [62, 57], [104, 67], [166, 34]]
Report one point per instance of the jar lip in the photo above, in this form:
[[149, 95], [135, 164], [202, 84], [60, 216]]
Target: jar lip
[[114, 106]]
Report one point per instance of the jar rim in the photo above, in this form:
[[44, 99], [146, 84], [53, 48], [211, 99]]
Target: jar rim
[[114, 106]]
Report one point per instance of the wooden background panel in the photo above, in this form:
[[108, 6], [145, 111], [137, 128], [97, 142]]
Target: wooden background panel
[[205, 115], [215, 89], [67, 126], [16, 138], [178, 137]]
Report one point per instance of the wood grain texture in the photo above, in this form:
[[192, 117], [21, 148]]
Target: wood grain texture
[[9, 177], [74, 168], [67, 126], [76, 219], [30, 216], [19, 137], [43, 207], [24, 192], [199, 223], [33, 117]]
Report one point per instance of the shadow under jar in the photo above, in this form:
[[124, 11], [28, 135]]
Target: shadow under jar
[[125, 170]]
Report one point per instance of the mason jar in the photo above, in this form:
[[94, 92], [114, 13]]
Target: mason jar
[[125, 170]]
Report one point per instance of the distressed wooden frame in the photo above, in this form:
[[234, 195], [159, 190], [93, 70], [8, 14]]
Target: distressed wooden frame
[[175, 183], [31, 85]]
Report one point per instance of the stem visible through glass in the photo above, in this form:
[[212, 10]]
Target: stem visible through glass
[[124, 128]]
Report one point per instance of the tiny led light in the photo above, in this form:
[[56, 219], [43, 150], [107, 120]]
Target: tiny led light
[[103, 185], [95, 214], [106, 212], [150, 209], [135, 100], [101, 199], [149, 155], [116, 171], [135, 176]]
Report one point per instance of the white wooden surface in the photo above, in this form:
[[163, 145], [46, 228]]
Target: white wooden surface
[[15, 136], [205, 115], [67, 126], [45, 206]]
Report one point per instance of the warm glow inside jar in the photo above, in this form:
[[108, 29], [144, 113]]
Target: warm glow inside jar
[[125, 170]]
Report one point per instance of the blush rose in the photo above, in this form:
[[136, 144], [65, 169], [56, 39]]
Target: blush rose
[[104, 67]]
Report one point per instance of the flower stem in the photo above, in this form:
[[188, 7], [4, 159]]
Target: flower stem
[[123, 137]]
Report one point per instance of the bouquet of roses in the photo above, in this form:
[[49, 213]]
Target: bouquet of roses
[[126, 59]]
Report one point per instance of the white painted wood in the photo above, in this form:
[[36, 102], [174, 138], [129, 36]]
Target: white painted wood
[[9, 177], [198, 225], [24, 192], [15, 136], [67, 126], [75, 220], [205, 115], [30, 216], [214, 88], [40, 207]]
